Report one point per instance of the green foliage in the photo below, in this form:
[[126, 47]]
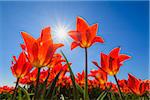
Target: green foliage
[[75, 91]]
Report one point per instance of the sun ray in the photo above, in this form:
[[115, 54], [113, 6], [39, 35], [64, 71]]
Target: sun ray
[[60, 32]]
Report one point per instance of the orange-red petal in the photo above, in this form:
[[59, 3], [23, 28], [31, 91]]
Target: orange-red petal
[[56, 46], [23, 46], [104, 60], [46, 34], [123, 57], [29, 42], [96, 64], [98, 39], [82, 25], [74, 45], [115, 52], [75, 35], [92, 32]]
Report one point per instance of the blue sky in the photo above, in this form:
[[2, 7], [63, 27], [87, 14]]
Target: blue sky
[[124, 24]]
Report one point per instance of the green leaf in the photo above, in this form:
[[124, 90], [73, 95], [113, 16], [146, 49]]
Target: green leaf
[[113, 96], [51, 89], [102, 95], [19, 94], [79, 88], [75, 92], [25, 92]]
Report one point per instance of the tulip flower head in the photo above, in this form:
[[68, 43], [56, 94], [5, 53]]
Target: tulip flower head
[[111, 63], [6, 89], [20, 67], [137, 86], [40, 51], [112, 86], [57, 59], [99, 75], [123, 86], [33, 75], [80, 78], [84, 35]]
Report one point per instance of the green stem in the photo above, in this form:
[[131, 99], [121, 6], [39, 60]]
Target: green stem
[[86, 76], [14, 95], [45, 83], [37, 83], [120, 93]]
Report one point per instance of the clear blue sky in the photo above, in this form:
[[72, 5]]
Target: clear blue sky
[[124, 24]]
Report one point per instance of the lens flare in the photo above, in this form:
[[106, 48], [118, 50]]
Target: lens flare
[[60, 33]]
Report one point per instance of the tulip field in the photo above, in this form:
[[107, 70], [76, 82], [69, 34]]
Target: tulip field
[[44, 74]]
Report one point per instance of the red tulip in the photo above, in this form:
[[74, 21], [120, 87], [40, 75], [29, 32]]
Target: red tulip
[[84, 35], [40, 51], [20, 67], [65, 81], [24, 80], [33, 75], [137, 86], [43, 75], [56, 69], [57, 58], [94, 83], [99, 75], [112, 86], [80, 79], [6, 89], [148, 86], [123, 86], [111, 63], [59, 67]]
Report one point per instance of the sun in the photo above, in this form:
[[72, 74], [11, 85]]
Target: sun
[[61, 33]]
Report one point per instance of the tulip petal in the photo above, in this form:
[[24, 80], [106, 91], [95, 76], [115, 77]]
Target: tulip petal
[[142, 88], [46, 51], [46, 34], [28, 39], [92, 32], [104, 60], [56, 46], [23, 47], [35, 51], [74, 45], [14, 58], [82, 25], [96, 64], [133, 83], [13, 71], [114, 66], [98, 39], [29, 42], [115, 52], [20, 63], [75, 35], [123, 57]]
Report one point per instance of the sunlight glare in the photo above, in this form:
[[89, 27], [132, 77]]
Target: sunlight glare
[[61, 32]]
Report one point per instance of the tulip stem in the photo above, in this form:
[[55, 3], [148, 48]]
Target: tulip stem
[[14, 95], [45, 83], [86, 78], [120, 93], [37, 83]]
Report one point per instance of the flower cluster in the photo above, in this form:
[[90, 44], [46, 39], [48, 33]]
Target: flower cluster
[[45, 71]]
